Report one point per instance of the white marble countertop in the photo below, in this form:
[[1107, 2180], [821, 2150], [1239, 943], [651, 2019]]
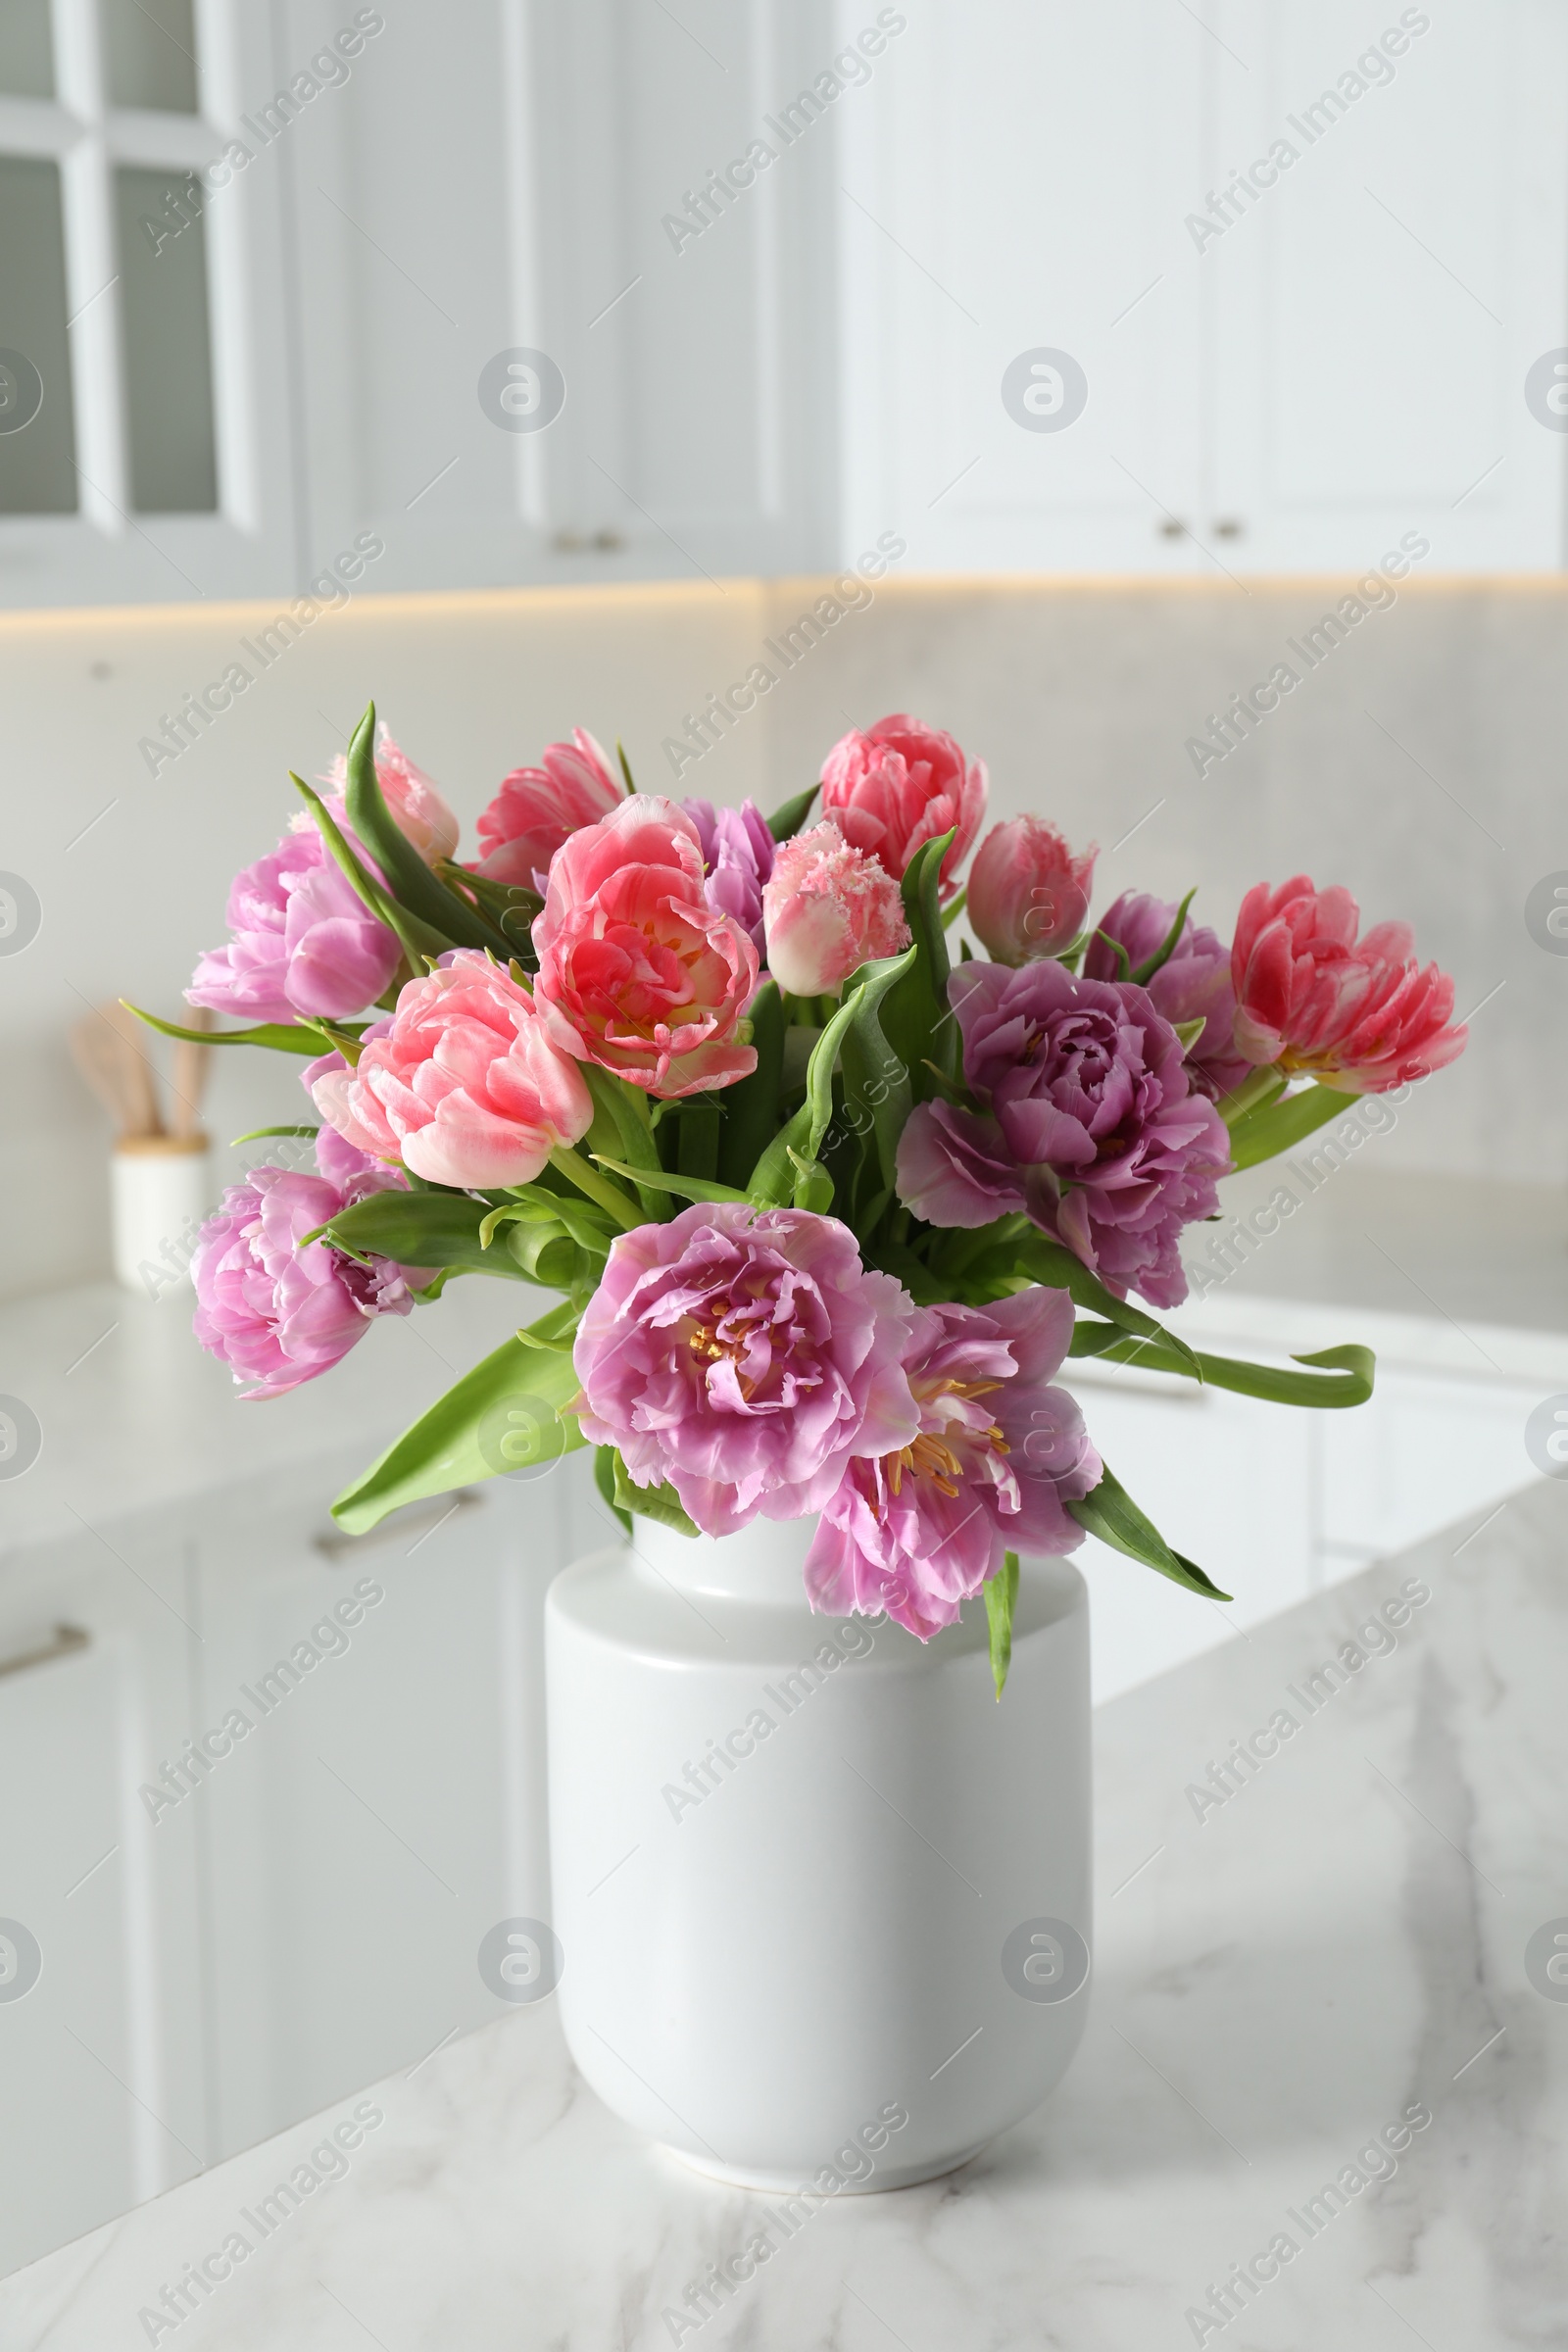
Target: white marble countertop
[[1339, 1946]]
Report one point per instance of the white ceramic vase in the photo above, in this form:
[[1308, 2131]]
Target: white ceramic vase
[[822, 1903]]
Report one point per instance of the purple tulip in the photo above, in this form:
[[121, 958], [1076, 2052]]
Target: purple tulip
[[1194, 983], [277, 1313], [744, 1357], [737, 860], [1090, 1127], [999, 1456], [302, 941]]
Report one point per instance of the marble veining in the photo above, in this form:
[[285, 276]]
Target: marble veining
[[1279, 1980]]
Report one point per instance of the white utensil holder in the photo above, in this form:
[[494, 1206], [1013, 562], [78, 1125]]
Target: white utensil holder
[[161, 1188]]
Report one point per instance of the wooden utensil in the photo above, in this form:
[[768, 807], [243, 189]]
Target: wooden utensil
[[107, 1048], [189, 1082]]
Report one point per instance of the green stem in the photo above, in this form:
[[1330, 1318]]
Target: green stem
[[1261, 1085], [950, 913], [598, 1187]]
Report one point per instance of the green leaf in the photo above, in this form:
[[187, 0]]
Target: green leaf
[[1190, 1031], [751, 1105], [606, 1463], [773, 1179], [917, 1021], [510, 907], [813, 1186], [417, 939], [1259, 1086], [1110, 1513], [1049, 1263], [280, 1036], [258, 1133], [669, 1180], [789, 818], [625, 764], [1274, 1127], [422, 1229], [1001, 1595], [696, 1137], [409, 879], [511, 1410], [1144, 972], [1124, 964], [876, 1080], [1342, 1376], [660, 1502]]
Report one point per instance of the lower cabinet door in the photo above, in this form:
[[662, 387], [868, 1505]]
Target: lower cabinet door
[[377, 1805], [102, 1978], [1227, 1481]]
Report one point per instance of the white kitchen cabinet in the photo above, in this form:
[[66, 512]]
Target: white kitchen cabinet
[[687, 428], [1375, 311], [385, 1806], [1226, 1479], [1012, 180], [102, 2056], [1289, 372]]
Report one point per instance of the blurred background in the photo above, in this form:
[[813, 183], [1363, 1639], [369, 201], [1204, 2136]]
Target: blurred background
[[1057, 375]]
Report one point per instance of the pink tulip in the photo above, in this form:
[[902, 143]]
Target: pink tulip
[[463, 1084], [637, 972], [1028, 893], [900, 785], [828, 908], [1362, 1017], [302, 941], [278, 1309], [422, 816], [537, 808]]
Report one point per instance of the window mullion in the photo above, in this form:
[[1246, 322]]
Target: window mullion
[[92, 269]]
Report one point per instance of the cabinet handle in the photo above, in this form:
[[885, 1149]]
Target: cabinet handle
[[334, 1543], [60, 1644]]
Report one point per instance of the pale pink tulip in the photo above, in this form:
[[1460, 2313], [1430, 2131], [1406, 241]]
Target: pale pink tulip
[[828, 908]]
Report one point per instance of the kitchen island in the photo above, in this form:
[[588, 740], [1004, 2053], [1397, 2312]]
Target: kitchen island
[[1321, 2099]]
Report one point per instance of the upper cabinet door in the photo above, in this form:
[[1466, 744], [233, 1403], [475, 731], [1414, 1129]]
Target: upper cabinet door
[[1383, 238], [145, 451], [581, 326], [1021, 351]]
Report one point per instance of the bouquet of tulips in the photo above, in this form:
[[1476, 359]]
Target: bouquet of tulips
[[824, 1209]]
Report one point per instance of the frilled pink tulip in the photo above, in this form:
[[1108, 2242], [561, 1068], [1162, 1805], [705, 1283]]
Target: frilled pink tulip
[[901, 784], [999, 1456], [422, 816], [1194, 983], [637, 972], [827, 909], [744, 1357], [1028, 893], [278, 1312], [462, 1084], [1362, 1017], [537, 808], [302, 941]]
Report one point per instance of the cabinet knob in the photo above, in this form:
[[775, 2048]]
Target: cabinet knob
[[1171, 528], [1229, 528]]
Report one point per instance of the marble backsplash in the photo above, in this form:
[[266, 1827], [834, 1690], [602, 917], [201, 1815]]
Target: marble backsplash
[[1415, 758]]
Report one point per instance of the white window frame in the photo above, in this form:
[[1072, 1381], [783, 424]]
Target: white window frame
[[106, 552]]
